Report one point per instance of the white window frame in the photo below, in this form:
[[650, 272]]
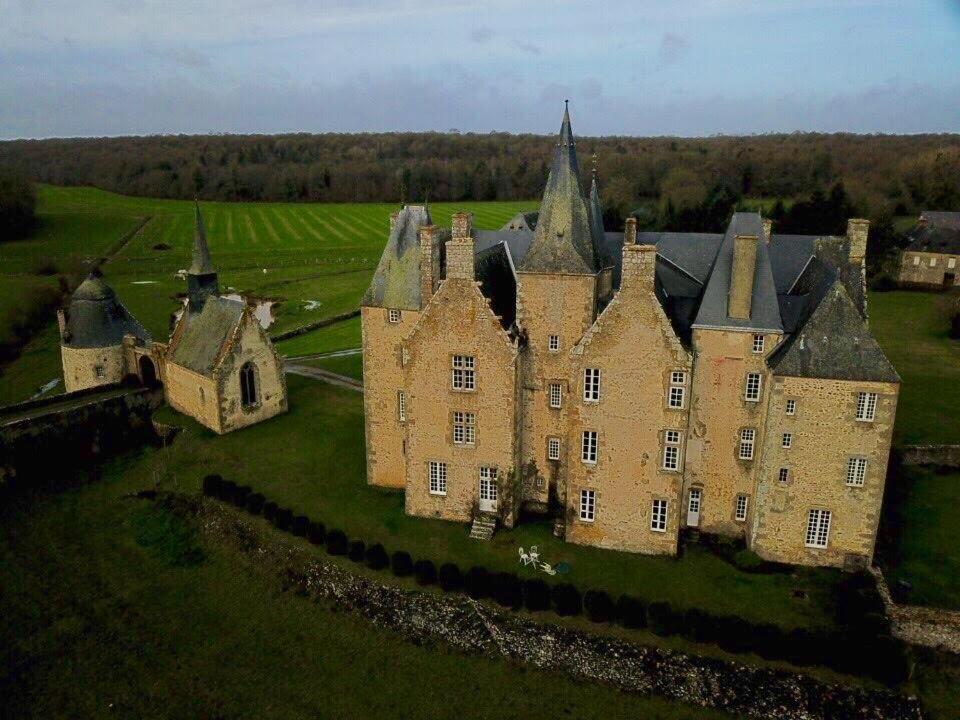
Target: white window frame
[[401, 406], [783, 475], [916, 259], [588, 447], [866, 406], [464, 428], [753, 384], [759, 341], [933, 261], [791, 408], [740, 508], [671, 451], [437, 477], [677, 392], [588, 505], [658, 515], [591, 385], [786, 440], [818, 528], [393, 316], [463, 376], [951, 263], [553, 343], [555, 393], [748, 436], [553, 448], [856, 471]]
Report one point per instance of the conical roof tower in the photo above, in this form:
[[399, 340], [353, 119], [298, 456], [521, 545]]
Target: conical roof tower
[[563, 240], [201, 277]]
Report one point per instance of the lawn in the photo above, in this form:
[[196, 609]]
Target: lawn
[[343, 335], [112, 609], [349, 365], [915, 340], [321, 472]]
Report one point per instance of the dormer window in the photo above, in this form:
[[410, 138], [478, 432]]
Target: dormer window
[[758, 342], [393, 316], [553, 344]]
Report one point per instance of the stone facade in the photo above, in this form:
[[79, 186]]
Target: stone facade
[[935, 270], [630, 385], [89, 367]]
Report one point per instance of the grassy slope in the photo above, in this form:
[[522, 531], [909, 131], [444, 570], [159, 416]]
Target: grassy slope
[[349, 365], [915, 340], [99, 618]]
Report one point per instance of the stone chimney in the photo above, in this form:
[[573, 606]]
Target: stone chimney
[[639, 266], [429, 262], [742, 271], [767, 229], [630, 231], [61, 321], [460, 248], [857, 230]]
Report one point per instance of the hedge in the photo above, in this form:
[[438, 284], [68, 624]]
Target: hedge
[[317, 533], [255, 502], [477, 582], [566, 599], [269, 511], [599, 606], [450, 577], [211, 485], [631, 612], [401, 564], [283, 519], [227, 488], [300, 526], [506, 590], [425, 572], [358, 550], [377, 557], [337, 542], [240, 495], [536, 595]]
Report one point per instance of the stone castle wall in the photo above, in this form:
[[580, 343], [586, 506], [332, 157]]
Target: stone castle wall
[[80, 366], [192, 394], [250, 345]]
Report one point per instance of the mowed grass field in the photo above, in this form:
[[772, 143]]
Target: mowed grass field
[[313, 261]]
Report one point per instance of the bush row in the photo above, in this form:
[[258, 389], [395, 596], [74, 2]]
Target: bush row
[[865, 646]]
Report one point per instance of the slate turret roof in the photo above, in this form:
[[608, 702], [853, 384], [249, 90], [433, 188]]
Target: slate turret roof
[[96, 318], [396, 281], [201, 264]]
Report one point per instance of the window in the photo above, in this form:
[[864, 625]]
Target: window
[[200, 393], [856, 471], [675, 398], [556, 395], [671, 450], [752, 393], [658, 516], [951, 263], [866, 406], [393, 316], [438, 478], [464, 428], [791, 407], [758, 341], [588, 505], [401, 405], [747, 436], [249, 393], [787, 440], [588, 447], [98, 371], [554, 343], [933, 262], [916, 259], [591, 384], [463, 378], [783, 475], [553, 448], [818, 528], [741, 508]]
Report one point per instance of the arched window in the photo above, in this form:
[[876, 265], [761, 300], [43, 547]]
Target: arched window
[[249, 392]]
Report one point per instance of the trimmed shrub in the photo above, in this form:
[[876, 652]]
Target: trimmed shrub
[[425, 572], [269, 511], [886, 660], [477, 582], [632, 612], [316, 533], [661, 619], [566, 599], [211, 485], [401, 564], [255, 502], [336, 542], [227, 488], [358, 550], [450, 578], [240, 495], [283, 520], [506, 590], [377, 557], [599, 606], [300, 525], [536, 595]]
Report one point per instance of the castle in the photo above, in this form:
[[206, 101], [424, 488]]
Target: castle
[[630, 384], [930, 260], [219, 366]]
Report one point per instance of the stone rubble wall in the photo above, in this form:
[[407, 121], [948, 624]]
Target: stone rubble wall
[[930, 627], [947, 455], [471, 627]]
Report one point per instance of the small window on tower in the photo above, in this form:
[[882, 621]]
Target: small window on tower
[[554, 343], [393, 316], [758, 342]]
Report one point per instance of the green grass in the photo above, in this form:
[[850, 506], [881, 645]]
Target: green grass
[[915, 340], [339, 336], [927, 522], [101, 617], [320, 472], [349, 365]]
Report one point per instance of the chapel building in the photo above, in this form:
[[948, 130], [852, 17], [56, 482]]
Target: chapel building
[[630, 384]]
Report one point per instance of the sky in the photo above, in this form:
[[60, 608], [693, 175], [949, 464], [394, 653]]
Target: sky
[[664, 67]]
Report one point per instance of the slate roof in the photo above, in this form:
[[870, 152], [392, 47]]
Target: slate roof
[[596, 227], [201, 264], [96, 318], [522, 221], [834, 343], [563, 240], [932, 238], [494, 269], [205, 333], [396, 281], [941, 219]]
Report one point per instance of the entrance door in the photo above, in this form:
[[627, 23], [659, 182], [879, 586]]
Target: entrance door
[[488, 489], [693, 508], [148, 373]]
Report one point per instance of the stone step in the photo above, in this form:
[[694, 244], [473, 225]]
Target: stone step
[[483, 527]]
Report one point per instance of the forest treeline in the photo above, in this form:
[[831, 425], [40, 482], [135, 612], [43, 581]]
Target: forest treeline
[[881, 173]]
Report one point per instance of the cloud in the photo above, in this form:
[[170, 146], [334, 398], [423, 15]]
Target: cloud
[[481, 34], [673, 48], [527, 47]]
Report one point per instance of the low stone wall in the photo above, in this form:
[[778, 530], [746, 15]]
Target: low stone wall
[[944, 455], [471, 627], [304, 329], [930, 627]]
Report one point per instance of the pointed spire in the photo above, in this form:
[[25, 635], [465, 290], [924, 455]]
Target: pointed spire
[[201, 253], [596, 219]]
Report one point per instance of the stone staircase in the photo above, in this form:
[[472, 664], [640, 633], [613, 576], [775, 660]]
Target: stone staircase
[[483, 527]]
